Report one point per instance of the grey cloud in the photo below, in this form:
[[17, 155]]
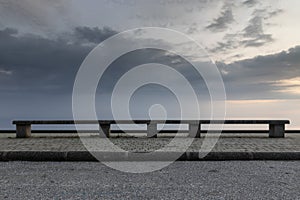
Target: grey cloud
[[250, 3], [229, 42], [8, 31], [35, 16], [254, 28], [256, 78], [5, 72], [93, 35], [49, 66], [253, 35], [221, 23], [166, 11], [40, 64], [282, 65], [258, 41]]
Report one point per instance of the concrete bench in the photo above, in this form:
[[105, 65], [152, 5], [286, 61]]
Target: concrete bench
[[276, 127]]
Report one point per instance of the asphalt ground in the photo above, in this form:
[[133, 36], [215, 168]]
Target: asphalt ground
[[180, 180]]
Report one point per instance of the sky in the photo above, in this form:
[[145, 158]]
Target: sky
[[255, 45]]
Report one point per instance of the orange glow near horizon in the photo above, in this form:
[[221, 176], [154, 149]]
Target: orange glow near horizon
[[289, 85]]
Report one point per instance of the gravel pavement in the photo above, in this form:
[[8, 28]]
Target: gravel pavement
[[181, 180]]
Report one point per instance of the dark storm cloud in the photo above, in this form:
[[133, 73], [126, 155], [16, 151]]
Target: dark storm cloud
[[282, 65], [221, 23], [8, 31], [258, 77], [34, 64]]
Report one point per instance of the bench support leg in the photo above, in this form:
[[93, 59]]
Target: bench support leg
[[195, 130], [152, 130], [23, 131], [104, 130], [276, 130]]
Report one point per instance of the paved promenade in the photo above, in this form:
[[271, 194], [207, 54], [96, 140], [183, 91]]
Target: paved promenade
[[70, 148], [215, 180]]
